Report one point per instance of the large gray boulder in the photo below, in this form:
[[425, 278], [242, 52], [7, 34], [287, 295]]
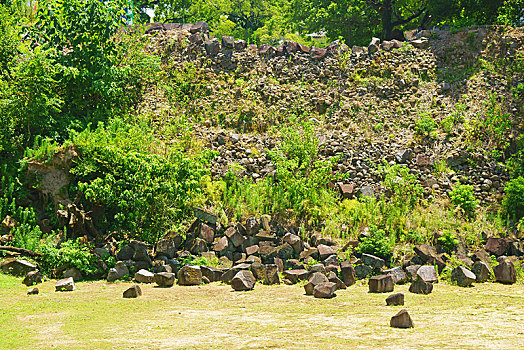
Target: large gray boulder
[[144, 276], [243, 281], [65, 285], [325, 290], [190, 275], [462, 276], [427, 273], [118, 272], [165, 279]]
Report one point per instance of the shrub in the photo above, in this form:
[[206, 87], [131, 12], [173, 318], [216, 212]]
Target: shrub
[[69, 254], [448, 241], [425, 124], [513, 202], [463, 197], [377, 243], [403, 186]]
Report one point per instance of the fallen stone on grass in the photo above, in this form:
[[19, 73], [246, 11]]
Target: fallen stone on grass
[[347, 272], [427, 273], [211, 273], [243, 281], [505, 272], [401, 320], [325, 290], [481, 271], [314, 280], [65, 285], [462, 276], [296, 275], [381, 284], [144, 276], [190, 275], [33, 291], [165, 279], [395, 299], [421, 287], [33, 277], [133, 292]]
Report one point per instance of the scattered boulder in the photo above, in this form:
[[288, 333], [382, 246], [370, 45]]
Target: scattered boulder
[[481, 271], [395, 299], [374, 45], [296, 275], [381, 284], [332, 277], [243, 281], [505, 272], [427, 273], [125, 253], [363, 271], [373, 261], [118, 272], [325, 251], [17, 267], [165, 279], [33, 291], [133, 292], [33, 277], [314, 280], [398, 275], [421, 287], [325, 290], [401, 320], [73, 272], [411, 271], [190, 275], [211, 273], [144, 276], [463, 276], [496, 246], [347, 272], [65, 285]]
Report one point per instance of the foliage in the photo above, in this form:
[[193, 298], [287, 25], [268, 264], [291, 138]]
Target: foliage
[[141, 194], [376, 243], [70, 254], [513, 203], [425, 124], [463, 197], [403, 186], [448, 241]]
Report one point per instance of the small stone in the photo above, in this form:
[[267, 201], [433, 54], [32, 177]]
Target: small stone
[[401, 320], [65, 285], [33, 291], [395, 299], [381, 284], [133, 292], [165, 279], [243, 281]]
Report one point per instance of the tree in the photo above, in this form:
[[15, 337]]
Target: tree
[[395, 13]]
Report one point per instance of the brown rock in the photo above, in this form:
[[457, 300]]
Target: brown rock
[[395, 299], [325, 290], [133, 292], [401, 320], [381, 284]]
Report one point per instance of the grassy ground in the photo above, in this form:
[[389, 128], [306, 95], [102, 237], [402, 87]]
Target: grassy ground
[[487, 316]]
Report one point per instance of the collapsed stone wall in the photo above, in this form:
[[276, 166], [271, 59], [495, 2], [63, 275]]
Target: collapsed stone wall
[[323, 80]]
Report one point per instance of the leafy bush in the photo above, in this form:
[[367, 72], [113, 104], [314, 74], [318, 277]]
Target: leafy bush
[[70, 254], [140, 194], [376, 243], [425, 124], [463, 197], [403, 186], [513, 202], [448, 241]]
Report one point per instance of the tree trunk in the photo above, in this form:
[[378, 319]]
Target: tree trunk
[[385, 16], [349, 32], [21, 251]]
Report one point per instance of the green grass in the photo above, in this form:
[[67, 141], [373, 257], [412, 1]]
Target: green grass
[[215, 317]]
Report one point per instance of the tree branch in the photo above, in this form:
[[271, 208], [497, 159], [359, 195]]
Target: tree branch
[[21, 251], [401, 21]]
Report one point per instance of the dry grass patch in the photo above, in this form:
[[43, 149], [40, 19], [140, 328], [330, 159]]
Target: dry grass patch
[[487, 316]]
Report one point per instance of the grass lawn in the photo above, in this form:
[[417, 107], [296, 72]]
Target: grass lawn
[[95, 316]]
